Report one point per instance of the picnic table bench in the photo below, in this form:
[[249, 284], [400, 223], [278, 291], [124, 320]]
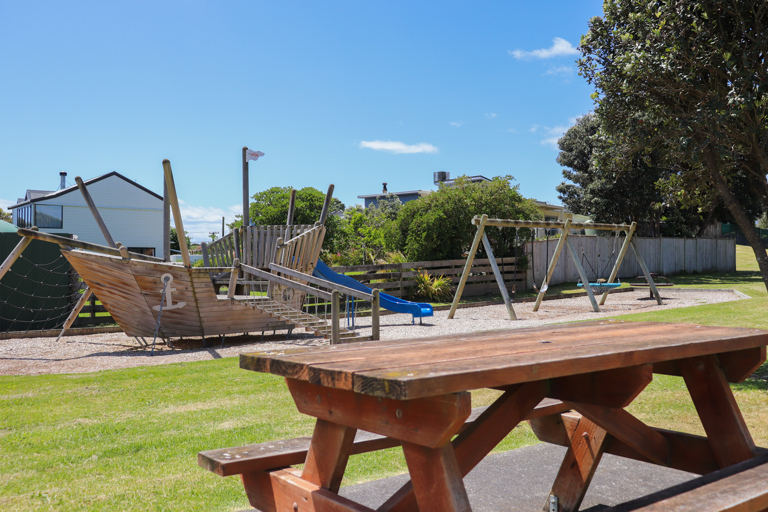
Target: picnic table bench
[[414, 393]]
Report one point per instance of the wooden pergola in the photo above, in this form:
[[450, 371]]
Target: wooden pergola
[[483, 221]]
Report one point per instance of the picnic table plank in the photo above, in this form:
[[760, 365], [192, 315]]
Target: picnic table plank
[[423, 367]]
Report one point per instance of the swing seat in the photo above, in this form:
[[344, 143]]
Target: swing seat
[[600, 287]]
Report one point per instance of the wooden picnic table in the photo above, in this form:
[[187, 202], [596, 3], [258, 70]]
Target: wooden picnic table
[[417, 392]]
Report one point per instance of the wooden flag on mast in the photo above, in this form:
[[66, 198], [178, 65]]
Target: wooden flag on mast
[[252, 155]]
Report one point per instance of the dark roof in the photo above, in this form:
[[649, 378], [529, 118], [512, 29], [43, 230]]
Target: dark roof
[[385, 194], [67, 190]]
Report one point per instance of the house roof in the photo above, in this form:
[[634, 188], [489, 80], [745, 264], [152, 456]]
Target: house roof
[[7, 227], [38, 195], [406, 193]]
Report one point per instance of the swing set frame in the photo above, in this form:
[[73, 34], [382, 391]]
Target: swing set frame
[[483, 221]]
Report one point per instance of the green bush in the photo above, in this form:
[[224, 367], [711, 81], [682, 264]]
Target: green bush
[[431, 288]]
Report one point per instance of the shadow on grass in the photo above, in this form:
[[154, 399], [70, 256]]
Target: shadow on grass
[[758, 381]]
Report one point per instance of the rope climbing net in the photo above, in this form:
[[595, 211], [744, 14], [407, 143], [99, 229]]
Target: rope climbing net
[[38, 295]]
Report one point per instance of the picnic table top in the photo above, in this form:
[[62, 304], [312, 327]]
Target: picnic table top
[[422, 367]]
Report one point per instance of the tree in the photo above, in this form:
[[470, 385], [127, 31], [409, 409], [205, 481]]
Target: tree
[[175, 240], [6, 216], [369, 232], [438, 226], [649, 187], [690, 74], [270, 208]]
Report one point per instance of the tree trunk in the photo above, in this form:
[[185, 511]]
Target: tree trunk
[[739, 215]]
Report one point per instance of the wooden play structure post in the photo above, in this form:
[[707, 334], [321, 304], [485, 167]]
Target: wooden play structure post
[[499, 278], [375, 314], [582, 274], [95, 212], [174, 200], [646, 273], [326, 204], [334, 317], [246, 220], [291, 206], [551, 268], [233, 278], [468, 264], [614, 272], [166, 224]]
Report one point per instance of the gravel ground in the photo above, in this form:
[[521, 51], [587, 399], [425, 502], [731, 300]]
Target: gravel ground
[[96, 352]]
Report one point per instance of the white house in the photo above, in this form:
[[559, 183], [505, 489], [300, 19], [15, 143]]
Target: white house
[[133, 214]]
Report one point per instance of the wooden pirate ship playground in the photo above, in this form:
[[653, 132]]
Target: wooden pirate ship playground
[[269, 280]]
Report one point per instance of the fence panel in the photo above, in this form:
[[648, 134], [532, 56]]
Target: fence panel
[[663, 256]]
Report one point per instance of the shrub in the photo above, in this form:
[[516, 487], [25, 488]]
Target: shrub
[[431, 288]]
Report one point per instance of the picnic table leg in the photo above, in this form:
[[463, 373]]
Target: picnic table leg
[[436, 478], [328, 454], [476, 441], [720, 415], [584, 453]]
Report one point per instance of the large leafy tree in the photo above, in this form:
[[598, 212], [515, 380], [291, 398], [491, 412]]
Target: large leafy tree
[[659, 191], [6, 216], [692, 74], [438, 226]]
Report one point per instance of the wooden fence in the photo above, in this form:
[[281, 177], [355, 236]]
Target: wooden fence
[[396, 278], [663, 256]]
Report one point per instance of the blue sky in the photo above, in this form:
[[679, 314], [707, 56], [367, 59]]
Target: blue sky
[[346, 92]]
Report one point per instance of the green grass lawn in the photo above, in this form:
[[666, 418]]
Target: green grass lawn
[[128, 439]]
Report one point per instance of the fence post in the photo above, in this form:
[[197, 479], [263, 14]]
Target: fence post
[[375, 315], [334, 317]]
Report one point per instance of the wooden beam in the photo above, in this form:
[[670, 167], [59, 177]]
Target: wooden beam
[[76, 311], [437, 482], [552, 264], [468, 265], [585, 449], [738, 365], [582, 275], [631, 431], [291, 206], [375, 310], [513, 223], [426, 421], [246, 194], [499, 278], [293, 494], [687, 452], [646, 273], [328, 454], [95, 212], [182, 236], [725, 426], [15, 253], [615, 271], [166, 224], [79, 244], [610, 388], [326, 204]]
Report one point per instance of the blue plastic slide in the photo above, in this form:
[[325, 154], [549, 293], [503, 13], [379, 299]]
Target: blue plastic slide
[[417, 309]]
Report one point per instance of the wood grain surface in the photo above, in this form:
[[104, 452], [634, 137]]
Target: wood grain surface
[[417, 368]]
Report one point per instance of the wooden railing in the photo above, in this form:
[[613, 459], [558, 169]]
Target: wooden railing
[[254, 245], [396, 278]]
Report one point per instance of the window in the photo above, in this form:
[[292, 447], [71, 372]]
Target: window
[[551, 232], [22, 216], [48, 216]]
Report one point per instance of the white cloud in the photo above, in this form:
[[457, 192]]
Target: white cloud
[[5, 203], [397, 147], [560, 70], [534, 128], [199, 221], [553, 133], [457, 124], [490, 115], [512, 130], [560, 47]]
